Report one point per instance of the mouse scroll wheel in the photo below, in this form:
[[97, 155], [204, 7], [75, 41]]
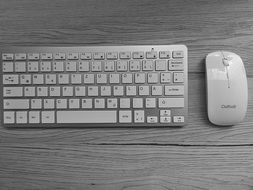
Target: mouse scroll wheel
[[225, 62]]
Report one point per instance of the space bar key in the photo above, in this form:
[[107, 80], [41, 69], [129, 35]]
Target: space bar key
[[86, 116]]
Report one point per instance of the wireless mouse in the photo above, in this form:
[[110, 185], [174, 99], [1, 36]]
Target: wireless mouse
[[227, 88]]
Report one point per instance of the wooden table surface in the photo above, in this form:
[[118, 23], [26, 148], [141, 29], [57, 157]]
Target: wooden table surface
[[197, 156]]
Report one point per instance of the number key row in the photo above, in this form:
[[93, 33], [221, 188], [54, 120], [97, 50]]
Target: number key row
[[95, 66]]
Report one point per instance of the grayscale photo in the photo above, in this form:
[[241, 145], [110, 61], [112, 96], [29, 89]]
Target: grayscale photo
[[126, 95]]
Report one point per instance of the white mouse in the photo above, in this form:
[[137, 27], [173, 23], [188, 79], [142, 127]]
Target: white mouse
[[227, 88]]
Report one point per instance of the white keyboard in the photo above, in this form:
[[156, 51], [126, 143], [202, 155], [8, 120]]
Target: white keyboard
[[94, 86]]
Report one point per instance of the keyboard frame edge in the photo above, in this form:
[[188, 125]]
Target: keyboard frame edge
[[73, 49]]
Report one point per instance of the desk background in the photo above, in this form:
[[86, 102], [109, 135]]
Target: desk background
[[197, 156]]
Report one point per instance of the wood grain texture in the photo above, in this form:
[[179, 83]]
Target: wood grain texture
[[40, 166], [197, 156]]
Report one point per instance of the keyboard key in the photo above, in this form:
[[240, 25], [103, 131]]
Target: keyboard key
[[45, 66], [151, 54], [131, 90], [29, 91], [16, 104], [112, 103], [67, 91], [10, 79], [156, 90], [99, 56], [20, 56], [36, 103], [71, 66], [105, 90], [137, 102], [58, 66], [177, 54], [178, 119], [135, 65], [87, 103], [171, 102], [96, 66], [86, 116], [59, 56], [33, 56], [139, 116], [124, 102], [165, 119], [122, 65], [176, 65], [160, 65], [13, 91], [48, 117], [140, 78], [76, 78], [114, 78], [101, 78], [33, 66], [89, 79], [34, 116], [174, 90], [61, 103], [8, 67], [165, 77], [42, 91], [138, 55], [80, 91], [127, 78], [147, 65], [74, 103], [9, 117], [54, 91], [150, 102], [72, 56], [164, 54], [152, 119], [7, 56], [46, 56], [20, 66], [165, 113], [99, 103], [85, 56], [112, 55], [109, 66], [50, 79], [125, 116], [63, 79], [152, 77], [92, 90], [49, 104], [178, 77], [125, 55], [25, 79], [21, 117], [118, 90], [143, 90], [38, 79], [84, 66]]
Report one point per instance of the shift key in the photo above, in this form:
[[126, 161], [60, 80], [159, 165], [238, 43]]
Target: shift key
[[17, 104]]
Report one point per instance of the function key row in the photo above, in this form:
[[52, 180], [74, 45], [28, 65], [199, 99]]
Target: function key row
[[95, 56]]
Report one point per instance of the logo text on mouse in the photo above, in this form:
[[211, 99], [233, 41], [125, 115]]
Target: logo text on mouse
[[228, 106]]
